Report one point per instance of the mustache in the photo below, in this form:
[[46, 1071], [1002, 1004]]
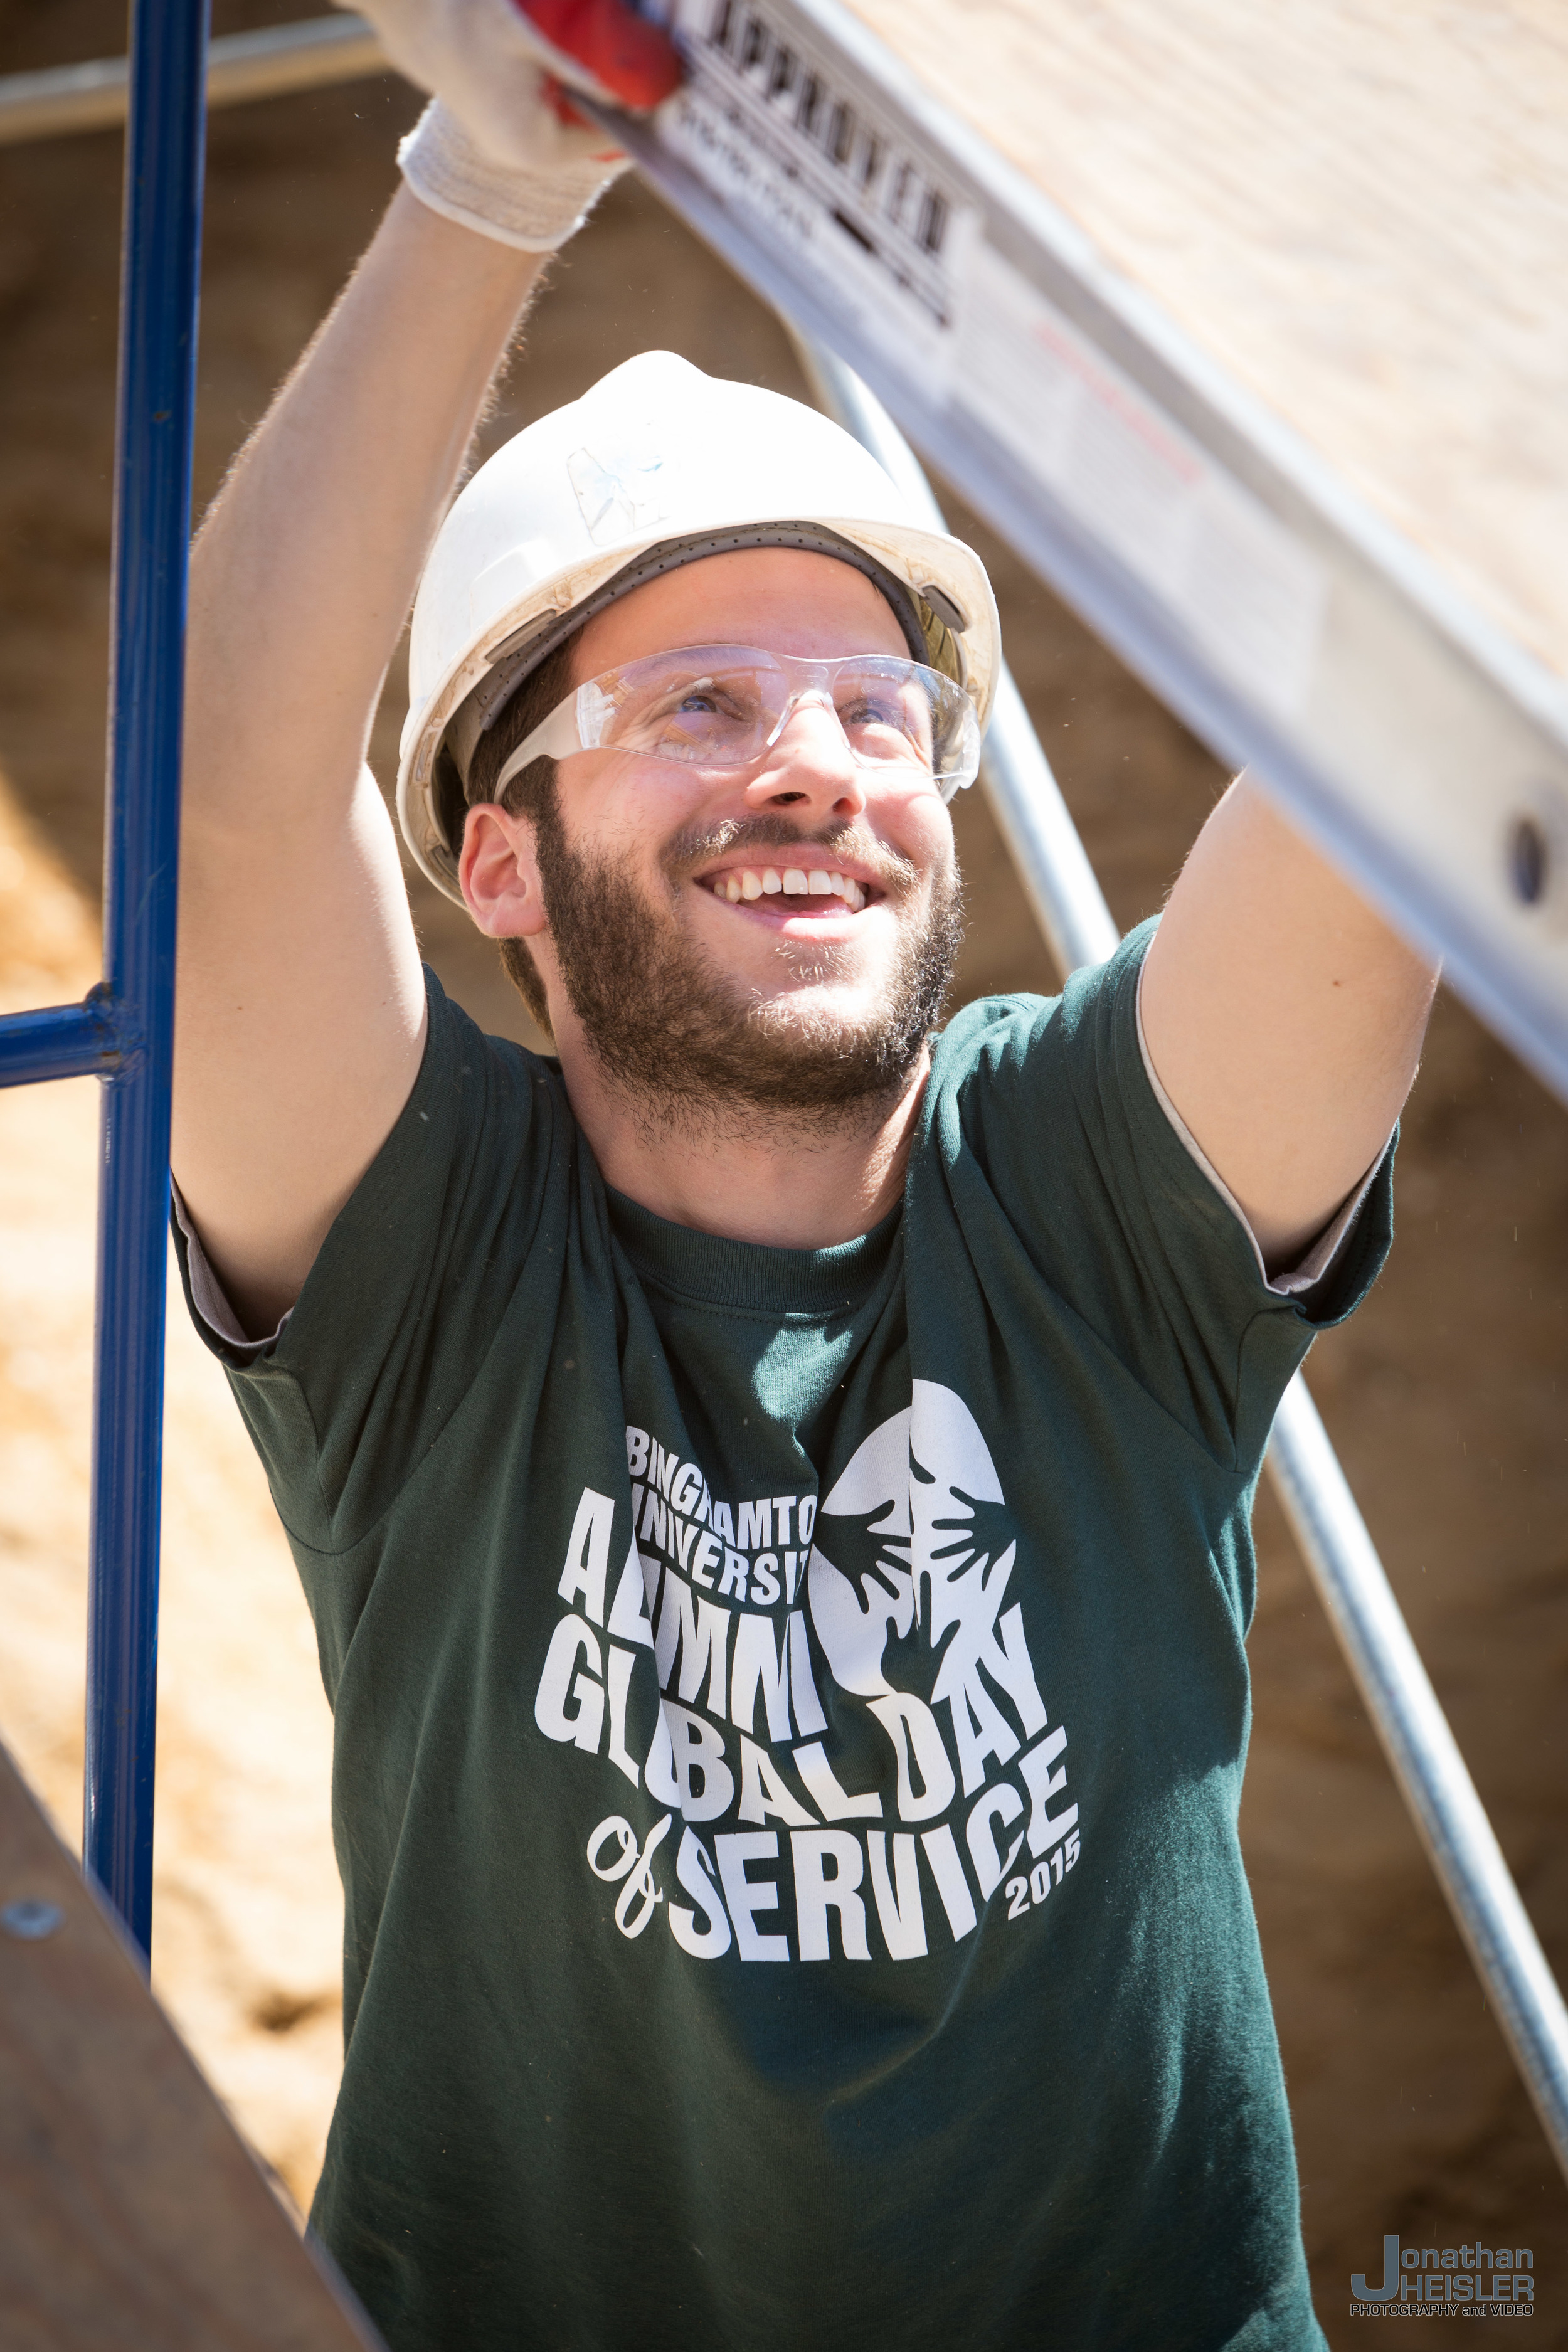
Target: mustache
[[697, 845]]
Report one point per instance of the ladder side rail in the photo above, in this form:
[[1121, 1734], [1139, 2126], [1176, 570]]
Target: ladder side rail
[[1329, 1531], [159, 287], [1425, 1758]]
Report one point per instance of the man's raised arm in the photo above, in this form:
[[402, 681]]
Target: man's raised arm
[[301, 1006], [1284, 1019]]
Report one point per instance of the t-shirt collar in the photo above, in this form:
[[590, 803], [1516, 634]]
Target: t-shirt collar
[[750, 1275]]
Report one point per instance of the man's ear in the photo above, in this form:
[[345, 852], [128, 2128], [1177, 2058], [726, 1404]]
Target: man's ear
[[499, 870]]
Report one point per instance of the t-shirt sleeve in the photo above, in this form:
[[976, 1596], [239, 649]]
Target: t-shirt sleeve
[[410, 1286], [1050, 1128]]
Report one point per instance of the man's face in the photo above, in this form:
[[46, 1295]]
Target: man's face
[[792, 1001]]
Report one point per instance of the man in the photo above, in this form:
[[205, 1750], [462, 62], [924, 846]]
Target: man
[[773, 1486]]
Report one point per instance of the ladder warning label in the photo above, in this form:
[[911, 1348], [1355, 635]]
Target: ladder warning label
[[1245, 589], [771, 124]]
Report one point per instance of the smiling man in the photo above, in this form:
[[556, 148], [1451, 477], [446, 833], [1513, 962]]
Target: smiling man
[[773, 1479], [846, 938]]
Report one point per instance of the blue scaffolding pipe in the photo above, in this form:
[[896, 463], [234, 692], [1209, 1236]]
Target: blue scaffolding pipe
[[124, 1032], [158, 288], [59, 1040]]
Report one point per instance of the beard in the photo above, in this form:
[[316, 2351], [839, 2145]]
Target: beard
[[690, 1046]]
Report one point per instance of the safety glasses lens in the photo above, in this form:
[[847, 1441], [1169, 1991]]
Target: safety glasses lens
[[722, 706]]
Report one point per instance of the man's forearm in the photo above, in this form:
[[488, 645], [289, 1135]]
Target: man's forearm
[[304, 569], [1284, 1018]]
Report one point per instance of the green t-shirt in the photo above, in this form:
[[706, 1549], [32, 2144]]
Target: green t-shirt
[[892, 1980]]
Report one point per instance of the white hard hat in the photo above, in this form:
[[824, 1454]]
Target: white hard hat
[[654, 466]]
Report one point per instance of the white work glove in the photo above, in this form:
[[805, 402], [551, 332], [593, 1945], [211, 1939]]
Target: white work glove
[[502, 150]]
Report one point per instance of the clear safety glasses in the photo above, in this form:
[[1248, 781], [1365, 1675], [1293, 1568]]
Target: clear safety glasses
[[725, 706]]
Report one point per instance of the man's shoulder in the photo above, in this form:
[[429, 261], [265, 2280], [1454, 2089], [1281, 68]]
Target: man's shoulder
[[463, 1060], [994, 1033], [985, 1026], [471, 1152]]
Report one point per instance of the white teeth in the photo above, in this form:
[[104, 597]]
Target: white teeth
[[794, 881]]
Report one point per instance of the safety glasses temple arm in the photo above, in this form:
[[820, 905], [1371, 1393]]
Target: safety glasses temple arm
[[556, 738]]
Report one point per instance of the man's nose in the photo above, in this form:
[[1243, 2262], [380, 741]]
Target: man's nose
[[810, 767]]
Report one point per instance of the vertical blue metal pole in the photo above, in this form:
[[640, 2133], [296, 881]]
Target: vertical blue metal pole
[[159, 279]]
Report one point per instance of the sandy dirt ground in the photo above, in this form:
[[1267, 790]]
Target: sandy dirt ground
[[1445, 1396]]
